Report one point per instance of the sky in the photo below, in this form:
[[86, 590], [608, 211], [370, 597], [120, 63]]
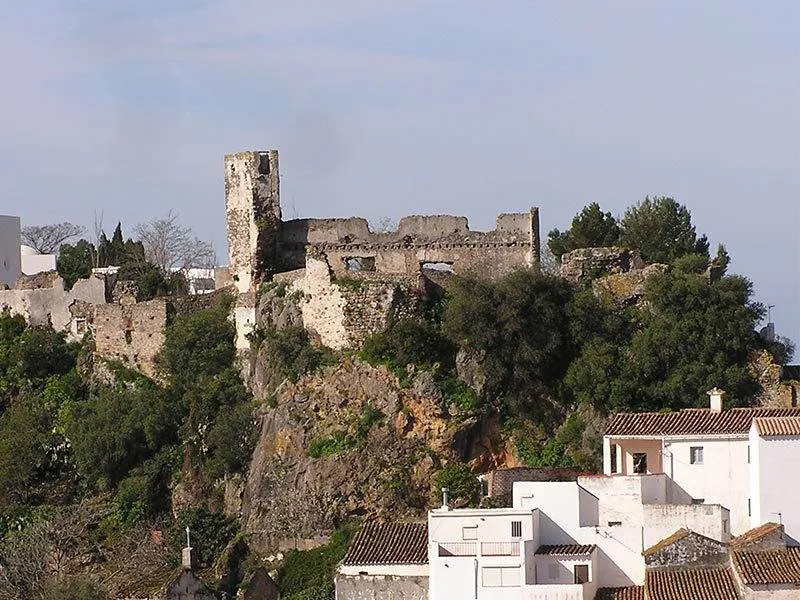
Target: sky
[[382, 108]]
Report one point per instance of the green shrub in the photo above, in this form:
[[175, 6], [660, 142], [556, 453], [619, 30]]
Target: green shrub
[[408, 341], [465, 489], [308, 574], [292, 353], [353, 437], [209, 534]]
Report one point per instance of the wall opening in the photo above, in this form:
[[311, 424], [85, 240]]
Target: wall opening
[[360, 263], [439, 267]]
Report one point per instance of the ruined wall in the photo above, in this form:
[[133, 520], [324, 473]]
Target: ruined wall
[[514, 243], [252, 215], [594, 262], [342, 311], [131, 333], [380, 587], [42, 300]]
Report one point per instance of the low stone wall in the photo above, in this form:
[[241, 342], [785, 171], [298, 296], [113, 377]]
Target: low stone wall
[[381, 587]]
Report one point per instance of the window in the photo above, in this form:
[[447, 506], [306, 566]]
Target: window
[[613, 458], [696, 455], [748, 454], [724, 525], [80, 325], [360, 263], [748, 507], [698, 500], [516, 529], [552, 571], [469, 533], [615, 523], [581, 573], [500, 576], [640, 463]]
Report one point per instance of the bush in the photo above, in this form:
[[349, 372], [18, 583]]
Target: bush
[[292, 353], [209, 533], [308, 575], [464, 487], [408, 341]]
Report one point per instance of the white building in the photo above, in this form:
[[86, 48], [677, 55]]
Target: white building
[[10, 267], [32, 262], [715, 456]]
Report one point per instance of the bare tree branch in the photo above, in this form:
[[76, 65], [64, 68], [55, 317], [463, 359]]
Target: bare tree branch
[[169, 245], [46, 239]]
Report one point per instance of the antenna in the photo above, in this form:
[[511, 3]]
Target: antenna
[[769, 312], [188, 543]]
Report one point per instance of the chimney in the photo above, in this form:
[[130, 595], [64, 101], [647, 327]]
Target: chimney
[[715, 399], [186, 554], [445, 498]]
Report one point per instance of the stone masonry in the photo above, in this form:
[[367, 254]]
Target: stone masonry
[[352, 280]]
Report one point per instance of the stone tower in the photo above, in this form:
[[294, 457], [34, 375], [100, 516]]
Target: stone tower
[[253, 216]]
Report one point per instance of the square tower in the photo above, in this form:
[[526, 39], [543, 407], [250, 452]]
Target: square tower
[[10, 261], [253, 216]]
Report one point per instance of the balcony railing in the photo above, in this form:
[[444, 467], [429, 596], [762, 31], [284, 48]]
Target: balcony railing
[[500, 548], [458, 549], [486, 548]]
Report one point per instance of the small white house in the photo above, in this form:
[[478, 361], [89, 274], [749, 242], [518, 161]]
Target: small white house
[[32, 262], [707, 456]]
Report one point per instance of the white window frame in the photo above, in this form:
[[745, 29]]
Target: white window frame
[[469, 532]]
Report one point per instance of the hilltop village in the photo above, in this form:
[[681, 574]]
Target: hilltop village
[[692, 501]]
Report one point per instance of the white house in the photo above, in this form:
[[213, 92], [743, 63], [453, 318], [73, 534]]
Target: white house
[[32, 262], [708, 458], [10, 264]]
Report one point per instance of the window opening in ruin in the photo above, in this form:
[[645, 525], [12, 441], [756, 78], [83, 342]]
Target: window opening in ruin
[[615, 523], [640, 463], [698, 500], [439, 267], [360, 263], [80, 325], [581, 573]]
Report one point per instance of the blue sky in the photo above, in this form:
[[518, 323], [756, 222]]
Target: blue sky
[[386, 108]]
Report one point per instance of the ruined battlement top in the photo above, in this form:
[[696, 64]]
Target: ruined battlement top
[[414, 230]]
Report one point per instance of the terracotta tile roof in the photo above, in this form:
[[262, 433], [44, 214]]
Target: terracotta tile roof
[[768, 566], [389, 544], [753, 535], [778, 425], [691, 584], [566, 550], [634, 592], [693, 421]]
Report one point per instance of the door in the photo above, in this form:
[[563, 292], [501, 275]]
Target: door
[[581, 573]]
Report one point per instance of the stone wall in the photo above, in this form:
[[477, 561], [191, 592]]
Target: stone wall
[[381, 587], [131, 333], [776, 389], [692, 550], [252, 215], [586, 263], [42, 301], [513, 244]]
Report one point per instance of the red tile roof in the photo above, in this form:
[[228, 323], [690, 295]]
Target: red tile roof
[[775, 426], [753, 535], [389, 544], [634, 592], [566, 550], [768, 566], [691, 584], [692, 421]]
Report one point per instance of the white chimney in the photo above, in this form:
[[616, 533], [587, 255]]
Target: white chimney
[[186, 554], [715, 399], [445, 498]]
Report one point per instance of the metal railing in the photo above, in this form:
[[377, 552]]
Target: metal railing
[[458, 549], [499, 548]]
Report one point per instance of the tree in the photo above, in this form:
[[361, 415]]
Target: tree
[[518, 326], [661, 229], [590, 228], [169, 245], [75, 262], [46, 239]]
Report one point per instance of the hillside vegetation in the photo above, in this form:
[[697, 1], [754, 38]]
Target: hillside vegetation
[[519, 370]]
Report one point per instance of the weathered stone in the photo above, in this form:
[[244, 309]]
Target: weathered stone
[[381, 587], [775, 390], [626, 289], [469, 366], [590, 263]]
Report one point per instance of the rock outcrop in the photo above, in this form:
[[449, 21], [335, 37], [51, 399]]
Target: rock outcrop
[[350, 441]]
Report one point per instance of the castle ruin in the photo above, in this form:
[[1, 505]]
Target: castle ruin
[[323, 258]]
